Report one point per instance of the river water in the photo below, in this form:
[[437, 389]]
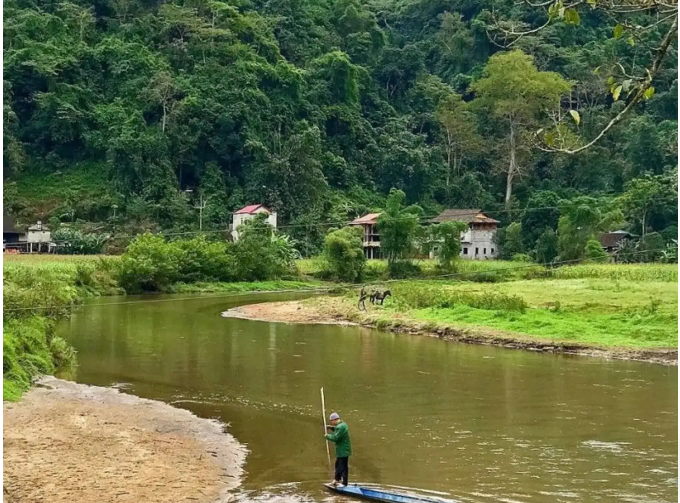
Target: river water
[[480, 424]]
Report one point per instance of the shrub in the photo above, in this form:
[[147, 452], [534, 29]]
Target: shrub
[[73, 242], [262, 254], [344, 253], [594, 251], [149, 264], [403, 269]]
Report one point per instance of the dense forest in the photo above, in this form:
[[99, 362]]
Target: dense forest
[[127, 115]]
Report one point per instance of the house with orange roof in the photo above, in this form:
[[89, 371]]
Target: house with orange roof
[[371, 236], [478, 241]]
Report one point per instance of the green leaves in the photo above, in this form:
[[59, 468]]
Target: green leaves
[[576, 116], [571, 17], [649, 92], [618, 31], [617, 92]]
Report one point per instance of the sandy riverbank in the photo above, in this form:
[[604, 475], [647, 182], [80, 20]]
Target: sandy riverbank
[[66, 442], [325, 311]]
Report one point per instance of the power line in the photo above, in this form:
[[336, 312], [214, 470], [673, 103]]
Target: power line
[[548, 265]]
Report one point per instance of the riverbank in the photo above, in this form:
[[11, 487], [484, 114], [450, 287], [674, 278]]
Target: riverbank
[[343, 311], [67, 442], [39, 289]]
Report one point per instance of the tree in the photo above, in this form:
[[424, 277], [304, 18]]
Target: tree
[[642, 196], [512, 243], [546, 248], [344, 253], [540, 214], [518, 96], [582, 218], [594, 251], [448, 236], [460, 135], [638, 23], [397, 226]]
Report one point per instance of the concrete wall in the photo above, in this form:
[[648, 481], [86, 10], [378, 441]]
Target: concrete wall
[[479, 244], [38, 237], [476, 240], [239, 219]]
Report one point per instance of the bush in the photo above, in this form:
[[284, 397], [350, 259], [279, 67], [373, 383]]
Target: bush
[[73, 242], [521, 257], [594, 251], [149, 264], [403, 269], [262, 254], [344, 253]]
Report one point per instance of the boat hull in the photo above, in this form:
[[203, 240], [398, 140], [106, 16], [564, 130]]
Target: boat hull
[[371, 494]]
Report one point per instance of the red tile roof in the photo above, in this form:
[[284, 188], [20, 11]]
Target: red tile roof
[[252, 209], [370, 219]]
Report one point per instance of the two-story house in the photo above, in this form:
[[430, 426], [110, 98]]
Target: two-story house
[[371, 237], [247, 213], [477, 243]]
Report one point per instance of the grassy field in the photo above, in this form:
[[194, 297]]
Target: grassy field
[[624, 306]]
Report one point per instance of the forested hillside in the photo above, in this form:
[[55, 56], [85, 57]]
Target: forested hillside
[[115, 109]]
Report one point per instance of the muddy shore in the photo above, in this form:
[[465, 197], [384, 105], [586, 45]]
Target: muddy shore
[[66, 442], [323, 311]]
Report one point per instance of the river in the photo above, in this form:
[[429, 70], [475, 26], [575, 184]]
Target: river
[[478, 423]]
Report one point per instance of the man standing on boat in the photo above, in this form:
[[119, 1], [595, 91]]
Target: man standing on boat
[[343, 448]]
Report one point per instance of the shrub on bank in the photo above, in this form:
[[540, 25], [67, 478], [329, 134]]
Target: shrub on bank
[[33, 297], [344, 254], [152, 264]]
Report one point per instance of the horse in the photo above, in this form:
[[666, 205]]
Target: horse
[[380, 296]]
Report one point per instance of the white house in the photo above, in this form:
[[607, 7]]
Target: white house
[[36, 238], [477, 243], [248, 213]]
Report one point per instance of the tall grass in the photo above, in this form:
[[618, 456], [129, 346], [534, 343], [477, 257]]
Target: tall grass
[[629, 272], [419, 296]]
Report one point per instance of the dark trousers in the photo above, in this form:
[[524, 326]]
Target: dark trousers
[[342, 469]]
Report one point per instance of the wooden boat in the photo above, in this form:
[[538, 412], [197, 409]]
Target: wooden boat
[[377, 494]]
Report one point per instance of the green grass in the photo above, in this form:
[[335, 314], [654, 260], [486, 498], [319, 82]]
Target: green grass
[[594, 311], [591, 311]]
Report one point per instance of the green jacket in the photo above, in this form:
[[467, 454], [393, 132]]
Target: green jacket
[[340, 436]]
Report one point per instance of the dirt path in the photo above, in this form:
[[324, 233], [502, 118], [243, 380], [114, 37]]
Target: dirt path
[[327, 311], [66, 442]]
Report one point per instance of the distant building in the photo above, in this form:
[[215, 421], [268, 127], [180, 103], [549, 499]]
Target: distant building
[[371, 236], [610, 241], [37, 238], [477, 243], [248, 213], [10, 234]]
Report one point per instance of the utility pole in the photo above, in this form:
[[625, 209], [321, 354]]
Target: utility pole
[[202, 203], [200, 207]]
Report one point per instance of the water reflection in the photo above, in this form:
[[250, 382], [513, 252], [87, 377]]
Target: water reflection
[[481, 424]]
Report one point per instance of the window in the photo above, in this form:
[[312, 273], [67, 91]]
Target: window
[[476, 251], [464, 251], [484, 251], [491, 251]]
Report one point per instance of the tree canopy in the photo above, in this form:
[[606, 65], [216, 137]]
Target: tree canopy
[[113, 110]]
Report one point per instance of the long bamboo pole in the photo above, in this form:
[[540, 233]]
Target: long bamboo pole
[[325, 430]]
